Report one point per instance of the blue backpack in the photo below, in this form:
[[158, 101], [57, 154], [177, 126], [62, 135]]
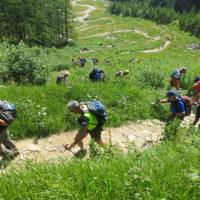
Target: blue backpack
[[8, 111], [174, 73], [96, 74], [98, 109]]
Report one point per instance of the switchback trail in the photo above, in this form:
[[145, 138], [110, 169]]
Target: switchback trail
[[86, 26]]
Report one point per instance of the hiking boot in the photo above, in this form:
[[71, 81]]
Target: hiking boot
[[81, 153]]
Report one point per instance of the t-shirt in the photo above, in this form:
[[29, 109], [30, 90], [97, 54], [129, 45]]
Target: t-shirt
[[178, 106]]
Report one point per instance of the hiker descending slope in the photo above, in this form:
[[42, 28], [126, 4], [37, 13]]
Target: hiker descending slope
[[91, 120], [196, 98], [179, 106], [7, 115], [176, 76]]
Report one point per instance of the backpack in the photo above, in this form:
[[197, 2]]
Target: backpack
[[176, 74], [188, 104], [98, 109], [8, 111], [197, 86], [96, 74]]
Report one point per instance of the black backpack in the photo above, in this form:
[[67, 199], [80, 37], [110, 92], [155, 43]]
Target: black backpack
[[96, 74], [8, 111]]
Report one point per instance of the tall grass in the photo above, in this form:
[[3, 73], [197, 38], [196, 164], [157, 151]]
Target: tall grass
[[167, 171]]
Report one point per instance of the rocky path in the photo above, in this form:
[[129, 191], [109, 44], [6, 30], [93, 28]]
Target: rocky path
[[141, 135]]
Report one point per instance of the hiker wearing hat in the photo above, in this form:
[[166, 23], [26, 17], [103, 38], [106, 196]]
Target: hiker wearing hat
[[179, 106], [91, 120], [196, 99], [176, 76]]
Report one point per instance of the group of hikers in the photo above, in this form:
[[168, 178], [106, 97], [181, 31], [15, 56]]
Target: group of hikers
[[82, 61], [181, 106], [92, 115]]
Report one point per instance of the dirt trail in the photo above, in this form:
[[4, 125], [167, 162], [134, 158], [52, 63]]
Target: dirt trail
[[143, 134], [86, 26], [120, 31], [167, 43], [86, 13]]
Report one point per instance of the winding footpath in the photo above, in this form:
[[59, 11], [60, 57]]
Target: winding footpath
[[86, 13], [84, 19]]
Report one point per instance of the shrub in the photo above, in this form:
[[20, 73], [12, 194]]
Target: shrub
[[152, 78], [23, 65]]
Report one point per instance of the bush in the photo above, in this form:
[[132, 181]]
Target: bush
[[152, 78], [23, 65]]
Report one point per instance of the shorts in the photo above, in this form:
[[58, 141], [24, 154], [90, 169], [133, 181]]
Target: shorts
[[174, 82], [96, 133]]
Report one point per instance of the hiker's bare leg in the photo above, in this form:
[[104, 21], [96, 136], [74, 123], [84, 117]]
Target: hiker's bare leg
[[79, 138]]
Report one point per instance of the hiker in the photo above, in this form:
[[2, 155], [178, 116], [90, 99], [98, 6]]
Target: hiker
[[196, 99], [95, 61], [176, 76], [179, 106], [82, 61], [65, 77], [7, 115], [122, 73], [97, 75], [91, 120], [59, 79]]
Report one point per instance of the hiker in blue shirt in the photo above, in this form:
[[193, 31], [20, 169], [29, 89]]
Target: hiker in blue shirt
[[177, 106]]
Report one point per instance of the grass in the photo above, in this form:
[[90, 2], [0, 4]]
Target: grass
[[167, 171]]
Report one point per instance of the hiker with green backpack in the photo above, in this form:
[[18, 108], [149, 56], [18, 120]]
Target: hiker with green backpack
[[7, 116], [92, 118]]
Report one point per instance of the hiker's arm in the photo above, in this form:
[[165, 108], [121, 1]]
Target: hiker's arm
[[80, 136], [3, 123], [161, 101]]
